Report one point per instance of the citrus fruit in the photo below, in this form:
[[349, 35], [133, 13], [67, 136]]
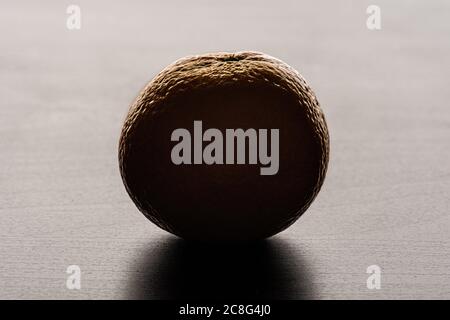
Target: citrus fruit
[[224, 146]]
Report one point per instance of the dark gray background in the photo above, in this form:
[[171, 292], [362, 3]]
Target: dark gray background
[[64, 94]]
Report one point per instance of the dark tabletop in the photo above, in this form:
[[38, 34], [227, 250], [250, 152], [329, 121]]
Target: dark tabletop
[[385, 201]]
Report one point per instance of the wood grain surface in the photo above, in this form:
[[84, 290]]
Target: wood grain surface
[[385, 201]]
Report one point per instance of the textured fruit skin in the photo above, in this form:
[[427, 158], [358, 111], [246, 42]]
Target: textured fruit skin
[[224, 202]]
